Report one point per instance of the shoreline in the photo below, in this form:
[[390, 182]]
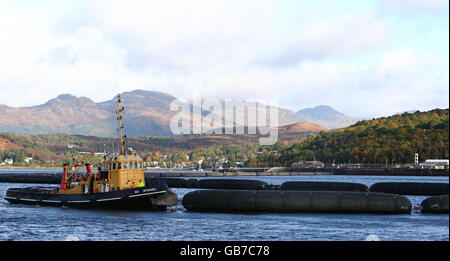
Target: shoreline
[[31, 168], [185, 174]]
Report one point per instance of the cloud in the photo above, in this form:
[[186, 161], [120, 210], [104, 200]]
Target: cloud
[[189, 35], [413, 7], [337, 38], [252, 50], [399, 80]]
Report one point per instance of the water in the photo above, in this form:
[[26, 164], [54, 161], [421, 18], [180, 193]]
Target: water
[[21, 222]]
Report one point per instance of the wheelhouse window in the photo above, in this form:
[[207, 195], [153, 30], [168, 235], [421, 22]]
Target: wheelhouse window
[[120, 165], [131, 165], [113, 166], [135, 165], [125, 165]]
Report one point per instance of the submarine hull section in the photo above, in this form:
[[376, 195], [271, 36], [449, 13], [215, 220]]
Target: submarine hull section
[[411, 188], [435, 205], [295, 201], [323, 186]]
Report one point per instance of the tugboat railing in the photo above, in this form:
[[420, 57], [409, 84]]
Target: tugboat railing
[[74, 173]]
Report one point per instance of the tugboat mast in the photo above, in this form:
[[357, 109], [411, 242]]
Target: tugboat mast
[[119, 118]]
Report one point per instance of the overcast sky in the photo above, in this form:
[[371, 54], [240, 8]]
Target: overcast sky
[[363, 58]]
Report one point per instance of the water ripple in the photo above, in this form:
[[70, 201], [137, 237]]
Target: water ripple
[[21, 222]]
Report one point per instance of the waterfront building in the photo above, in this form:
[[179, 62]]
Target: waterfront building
[[437, 163]]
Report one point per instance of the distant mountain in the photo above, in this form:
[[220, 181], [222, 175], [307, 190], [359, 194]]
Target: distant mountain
[[410, 111], [326, 116], [147, 113]]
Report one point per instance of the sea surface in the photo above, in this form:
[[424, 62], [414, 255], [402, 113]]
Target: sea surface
[[37, 223]]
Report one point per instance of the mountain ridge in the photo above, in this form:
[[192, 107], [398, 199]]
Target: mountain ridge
[[147, 113]]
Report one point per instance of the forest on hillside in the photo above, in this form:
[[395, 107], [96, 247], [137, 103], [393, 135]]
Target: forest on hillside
[[49, 150], [393, 139]]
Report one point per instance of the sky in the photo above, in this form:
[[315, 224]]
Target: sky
[[363, 58]]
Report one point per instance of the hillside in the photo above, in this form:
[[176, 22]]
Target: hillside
[[302, 127], [392, 139], [54, 149], [6, 144]]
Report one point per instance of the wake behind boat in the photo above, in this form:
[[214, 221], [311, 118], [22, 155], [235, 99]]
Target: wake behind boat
[[118, 184]]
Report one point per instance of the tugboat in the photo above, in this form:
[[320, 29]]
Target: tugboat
[[118, 184]]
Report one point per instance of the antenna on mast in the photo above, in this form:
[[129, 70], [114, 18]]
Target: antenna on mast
[[121, 126]]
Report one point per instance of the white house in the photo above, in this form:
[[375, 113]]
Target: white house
[[9, 161]]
